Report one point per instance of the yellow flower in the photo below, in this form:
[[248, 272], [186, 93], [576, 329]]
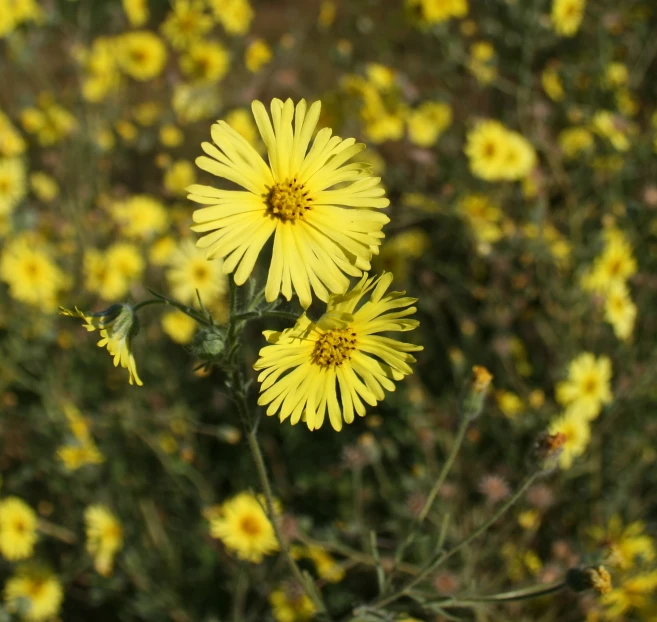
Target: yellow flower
[[552, 84], [620, 311], [611, 127], [76, 456], [509, 403], [327, 568], [118, 324], [427, 123], [12, 184], [242, 122], [398, 253], [111, 273], [49, 121], [484, 218], [205, 62], [140, 217], [11, 142], [496, 153], [234, 15], [171, 136], [627, 547], [244, 528], [587, 388], [482, 61], [567, 16], [575, 141], [327, 12], [18, 529], [191, 271], [127, 130], [577, 431], [616, 264], [179, 176], [320, 232], [436, 11], [102, 75], [257, 55], [634, 593], [136, 11], [44, 186], [179, 326], [193, 102], [616, 75], [32, 276], [302, 368], [161, 251], [186, 23], [141, 54], [147, 113], [34, 590], [291, 604], [104, 537]]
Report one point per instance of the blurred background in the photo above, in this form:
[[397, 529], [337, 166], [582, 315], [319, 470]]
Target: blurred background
[[517, 142]]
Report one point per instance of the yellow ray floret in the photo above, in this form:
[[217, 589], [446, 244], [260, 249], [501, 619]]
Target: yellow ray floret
[[118, 324], [317, 206], [340, 363]]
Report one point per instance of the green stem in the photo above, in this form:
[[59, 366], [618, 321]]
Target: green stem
[[253, 315], [447, 467], [443, 557], [238, 389], [161, 300]]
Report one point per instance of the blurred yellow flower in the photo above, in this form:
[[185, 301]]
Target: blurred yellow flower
[[633, 593], [509, 403], [190, 271], [552, 84], [141, 54], [620, 311], [117, 324], [244, 528], [18, 529], [482, 62], [43, 185], [179, 176], [611, 127], [436, 11], [104, 537], [50, 122], [205, 62], [186, 23], [147, 113], [627, 546], [161, 251], [427, 123], [140, 217], [327, 12], [136, 12], [241, 120], [171, 135], [101, 71], [302, 368], [587, 388], [193, 102], [11, 142], [35, 591], [616, 264], [12, 184], [496, 153], [32, 276], [400, 250], [616, 75], [567, 16], [178, 326], [257, 55], [234, 15], [577, 431], [575, 141], [484, 218], [291, 604]]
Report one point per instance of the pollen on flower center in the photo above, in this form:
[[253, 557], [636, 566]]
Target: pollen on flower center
[[250, 525], [288, 200], [334, 347]]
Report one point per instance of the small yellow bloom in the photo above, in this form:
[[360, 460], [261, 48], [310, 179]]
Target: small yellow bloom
[[291, 604], [428, 122], [575, 141], [136, 11], [567, 16], [171, 135], [44, 186], [244, 528], [35, 588], [205, 62], [141, 54], [18, 529], [12, 184], [257, 55], [186, 23], [234, 15], [577, 432], [179, 326], [437, 11], [552, 84], [11, 142], [509, 403], [620, 311], [140, 217], [104, 537], [179, 176], [587, 388]]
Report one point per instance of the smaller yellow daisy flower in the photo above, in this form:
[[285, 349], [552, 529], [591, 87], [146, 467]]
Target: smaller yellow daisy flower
[[136, 12], [244, 528], [118, 324], [587, 388], [291, 604], [35, 590], [620, 311], [577, 431], [18, 529], [141, 54], [179, 326], [104, 537], [567, 16], [257, 55]]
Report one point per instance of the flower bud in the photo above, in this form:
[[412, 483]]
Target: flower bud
[[208, 344], [590, 578], [476, 392]]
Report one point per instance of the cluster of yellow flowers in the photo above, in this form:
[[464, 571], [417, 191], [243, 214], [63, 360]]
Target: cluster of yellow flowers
[[34, 590]]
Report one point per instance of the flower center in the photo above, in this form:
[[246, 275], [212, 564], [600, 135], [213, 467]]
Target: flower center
[[287, 200], [334, 347], [250, 525]]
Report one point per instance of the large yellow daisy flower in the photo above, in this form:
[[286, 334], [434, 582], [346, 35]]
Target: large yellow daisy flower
[[339, 362], [313, 202], [18, 529]]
